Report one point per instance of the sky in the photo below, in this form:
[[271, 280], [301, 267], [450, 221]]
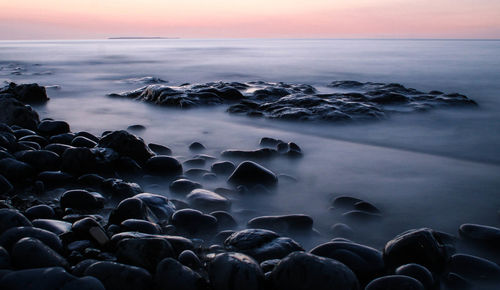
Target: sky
[[91, 19]]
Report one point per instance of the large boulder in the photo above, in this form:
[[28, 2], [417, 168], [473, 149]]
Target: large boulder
[[144, 252], [13, 112], [162, 165], [235, 271], [250, 173], [127, 144], [26, 93], [32, 253]]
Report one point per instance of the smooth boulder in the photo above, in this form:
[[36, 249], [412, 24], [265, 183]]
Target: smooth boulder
[[250, 173]]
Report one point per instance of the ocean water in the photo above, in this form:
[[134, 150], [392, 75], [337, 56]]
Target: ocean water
[[437, 169]]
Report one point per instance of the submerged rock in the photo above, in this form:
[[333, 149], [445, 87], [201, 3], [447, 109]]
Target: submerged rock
[[127, 144], [207, 200], [26, 93], [251, 173]]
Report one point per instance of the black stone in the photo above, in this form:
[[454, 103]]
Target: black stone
[[294, 223], [235, 271], [250, 173], [171, 274], [144, 252], [15, 170], [194, 223], [81, 141], [395, 282], [160, 149], [82, 199], [10, 218], [32, 253], [223, 167], [41, 211], [127, 144], [207, 200], [418, 272], [162, 165], [116, 276], [41, 160], [51, 128], [184, 186]]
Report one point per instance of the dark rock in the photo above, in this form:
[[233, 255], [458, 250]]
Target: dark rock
[[487, 235], [41, 160], [144, 252], [6, 128], [51, 128], [4, 260], [196, 162], [188, 258], [116, 276], [81, 141], [160, 149], [261, 244], [225, 220], [55, 178], [64, 138], [8, 141], [32, 253], [207, 200], [57, 148], [184, 186], [159, 205], [127, 144], [223, 167], [194, 223], [171, 274], [196, 173], [28, 145], [5, 186], [136, 128], [475, 268], [361, 216], [120, 188], [14, 234], [15, 170], [421, 246], [162, 165], [457, 282], [345, 202], [13, 112], [365, 262], [128, 167], [56, 226], [342, 230], [269, 142], [142, 226], [418, 272], [235, 271], [92, 180], [196, 146], [269, 265], [10, 218], [250, 173], [82, 199], [221, 236], [294, 223], [89, 228], [131, 208], [178, 243], [395, 282], [366, 207], [300, 271], [79, 269], [26, 93], [88, 135], [42, 141], [84, 283], [41, 211], [79, 161], [259, 154]]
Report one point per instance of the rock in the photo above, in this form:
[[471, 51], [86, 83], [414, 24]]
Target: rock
[[251, 173], [366, 207], [361, 216], [64, 138], [144, 252], [160, 149], [26, 93], [196, 146], [92, 180], [457, 282], [127, 167], [55, 178], [195, 162], [79, 161], [56, 226], [301, 270], [84, 283], [178, 243], [120, 188], [116, 276], [475, 268], [82, 200], [136, 128], [5, 186], [89, 228], [32, 253], [487, 235], [225, 220], [4, 260], [127, 144], [207, 200], [235, 271], [342, 230], [13, 112], [184, 186], [42, 141], [11, 218], [365, 262], [131, 208], [194, 223], [51, 128], [269, 142], [395, 282], [418, 272], [41, 160], [8, 142], [294, 223], [41, 211], [196, 173], [15, 170], [14, 234], [171, 274], [345, 202], [269, 265], [159, 205], [421, 246], [57, 148], [222, 167], [162, 165], [261, 244], [135, 225], [88, 135], [259, 154], [81, 141], [188, 258]]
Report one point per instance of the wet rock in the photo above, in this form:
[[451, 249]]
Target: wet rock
[[225, 220], [475, 268], [120, 188], [88, 135], [421, 246], [64, 138], [342, 230], [196, 173], [131, 208], [127, 144], [5, 186], [457, 282], [56, 226], [162, 165], [178, 243], [13, 112], [84, 283], [41, 160], [10, 218], [365, 262], [135, 225], [196, 162], [207, 200], [92, 180], [116, 276], [81, 141], [345, 202], [28, 145], [261, 244], [395, 282], [235, 271], [171, 274], [82, 200], [251, 173], [196, 146], [184, 186], [194, 223], [223, 167], [160, 149], [136, 128], [418, 272], [55, 178], [14, 234], [26, 93], [361, 216], [259, 154], [159, 205], [294, 223], [79, 161], [189, 259], [57, 148], [8, 141], [88, 228], [42, 141], [301, 270], [144, 252], [221, 236], [32, 253], [366, 207], [269, 142], [15, 170], [486, 235], [41, 211], [4, 260], [51, 128], [269, 265]]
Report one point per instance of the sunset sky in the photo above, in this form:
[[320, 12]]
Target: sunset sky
[[83, 19]]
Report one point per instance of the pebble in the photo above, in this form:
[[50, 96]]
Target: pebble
[[126, 144], [483, 234], [15, 170], [56, 226], [80, 141], [196, 146], [225, 220], [41, 160], [160, 149], [194, 223], [142, 226], [190, 259], [223, 167], [474, 268]]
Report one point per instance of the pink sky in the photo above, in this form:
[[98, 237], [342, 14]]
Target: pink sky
[[80, 19]]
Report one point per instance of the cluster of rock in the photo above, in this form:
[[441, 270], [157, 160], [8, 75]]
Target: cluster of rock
[[351, 101], [103, 232]]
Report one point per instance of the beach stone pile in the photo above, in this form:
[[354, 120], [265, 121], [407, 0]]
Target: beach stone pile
[[73, 216], [351, 100]]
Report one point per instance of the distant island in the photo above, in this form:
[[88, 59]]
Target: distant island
[[143, 37]]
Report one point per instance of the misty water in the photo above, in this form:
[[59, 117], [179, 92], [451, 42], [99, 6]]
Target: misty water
[[436, 169]]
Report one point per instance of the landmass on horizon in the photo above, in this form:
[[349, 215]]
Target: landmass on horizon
[[142, 37]]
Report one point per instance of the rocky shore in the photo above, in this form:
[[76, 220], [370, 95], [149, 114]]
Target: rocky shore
[[73, 214]]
